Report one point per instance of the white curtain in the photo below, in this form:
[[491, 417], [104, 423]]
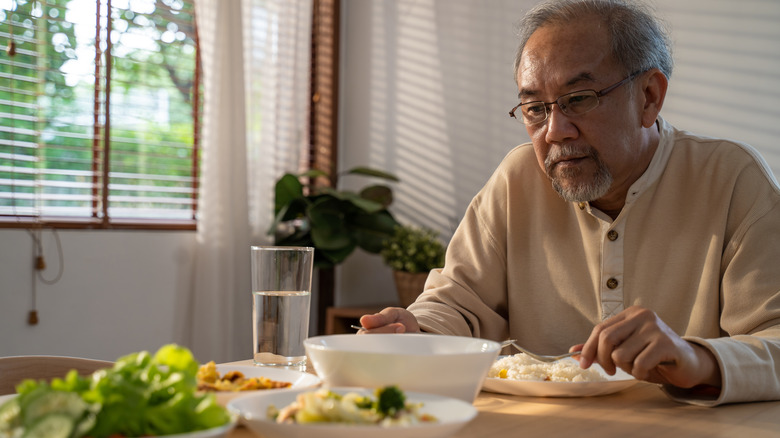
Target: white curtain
[[255, 56]]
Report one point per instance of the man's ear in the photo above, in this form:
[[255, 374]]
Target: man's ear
[[654, 85]]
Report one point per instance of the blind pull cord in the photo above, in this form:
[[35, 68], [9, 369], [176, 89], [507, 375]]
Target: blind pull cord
[[39, 265]]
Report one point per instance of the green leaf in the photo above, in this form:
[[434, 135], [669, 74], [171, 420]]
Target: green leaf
[[209, 413], [372, 231], [367, 205], [379, 194], [328, 227], [176, 358], [367, 171], [288, 188]]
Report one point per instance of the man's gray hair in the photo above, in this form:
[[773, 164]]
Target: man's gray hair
[[639, 39]]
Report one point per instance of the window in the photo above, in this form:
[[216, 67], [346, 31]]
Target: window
[[99, 113]]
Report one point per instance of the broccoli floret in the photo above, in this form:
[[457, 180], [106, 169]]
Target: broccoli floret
[[390, 400]]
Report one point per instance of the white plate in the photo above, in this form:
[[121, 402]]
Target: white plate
[[620, 381], [452, 414], [299, 379]]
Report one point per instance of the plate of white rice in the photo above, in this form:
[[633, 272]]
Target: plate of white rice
[[520, 374]]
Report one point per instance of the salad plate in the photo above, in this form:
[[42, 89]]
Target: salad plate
[[612, 384], [215, 432], [297, 379], [451, 414]]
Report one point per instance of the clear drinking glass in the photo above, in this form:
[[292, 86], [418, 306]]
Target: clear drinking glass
[[281, 301]]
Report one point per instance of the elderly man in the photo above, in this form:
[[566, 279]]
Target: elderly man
[[647, 248]]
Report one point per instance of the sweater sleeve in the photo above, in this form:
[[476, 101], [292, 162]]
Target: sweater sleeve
[[749, 356], [468, 297], [750, 368]]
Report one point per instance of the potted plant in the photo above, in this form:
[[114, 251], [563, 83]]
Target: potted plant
[[411, 253], [334, 222]]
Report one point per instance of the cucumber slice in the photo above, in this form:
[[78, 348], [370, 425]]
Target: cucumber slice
[[51, 426], [59, 402], [10, 414], [85, 425]]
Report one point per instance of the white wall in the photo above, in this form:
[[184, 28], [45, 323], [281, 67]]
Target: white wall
[[427, 85], [426, 88], [120, 292]]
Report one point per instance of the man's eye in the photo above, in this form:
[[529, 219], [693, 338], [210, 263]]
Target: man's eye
[[580, 101], [533, 109]]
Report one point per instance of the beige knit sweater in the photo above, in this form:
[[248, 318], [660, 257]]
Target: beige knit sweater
[[698, 242]]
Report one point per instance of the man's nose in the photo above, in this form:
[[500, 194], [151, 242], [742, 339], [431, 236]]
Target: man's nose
[[559, 126]]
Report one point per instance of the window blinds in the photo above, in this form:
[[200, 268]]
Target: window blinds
[[99, 109]]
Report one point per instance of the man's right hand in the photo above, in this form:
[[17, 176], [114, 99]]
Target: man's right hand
[[390, 320]]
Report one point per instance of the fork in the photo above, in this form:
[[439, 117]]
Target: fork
[[539, 357]]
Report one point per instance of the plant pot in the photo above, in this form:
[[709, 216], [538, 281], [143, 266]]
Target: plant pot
[[409, 286]]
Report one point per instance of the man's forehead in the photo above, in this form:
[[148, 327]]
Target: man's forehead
[[534, 87], [558, 55]]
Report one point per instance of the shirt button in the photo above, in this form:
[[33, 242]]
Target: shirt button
[[582, 205], [612, 283], [612, 235]]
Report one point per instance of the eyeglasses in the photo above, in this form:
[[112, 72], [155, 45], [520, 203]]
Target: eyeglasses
[[571, 104]]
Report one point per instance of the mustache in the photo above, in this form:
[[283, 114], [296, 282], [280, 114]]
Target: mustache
[[568, 151]]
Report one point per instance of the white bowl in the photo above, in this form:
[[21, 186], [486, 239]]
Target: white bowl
[[451, 415], [451, 366]]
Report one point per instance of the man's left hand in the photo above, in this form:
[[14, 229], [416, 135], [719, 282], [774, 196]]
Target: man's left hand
[[637, 341]]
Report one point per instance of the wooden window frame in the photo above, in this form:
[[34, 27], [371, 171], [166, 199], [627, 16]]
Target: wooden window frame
[[323, 120]]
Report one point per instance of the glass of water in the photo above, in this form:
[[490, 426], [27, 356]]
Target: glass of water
[[281, 294]]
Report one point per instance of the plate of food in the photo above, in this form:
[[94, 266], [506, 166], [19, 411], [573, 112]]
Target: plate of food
[[520, 374], [345, 412], [230, 381], [143, 394]]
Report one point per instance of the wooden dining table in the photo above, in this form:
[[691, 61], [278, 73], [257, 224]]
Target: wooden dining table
[[642, 410]]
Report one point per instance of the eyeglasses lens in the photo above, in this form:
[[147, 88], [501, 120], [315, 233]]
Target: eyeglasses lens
[[570, 104], [578, 103]]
